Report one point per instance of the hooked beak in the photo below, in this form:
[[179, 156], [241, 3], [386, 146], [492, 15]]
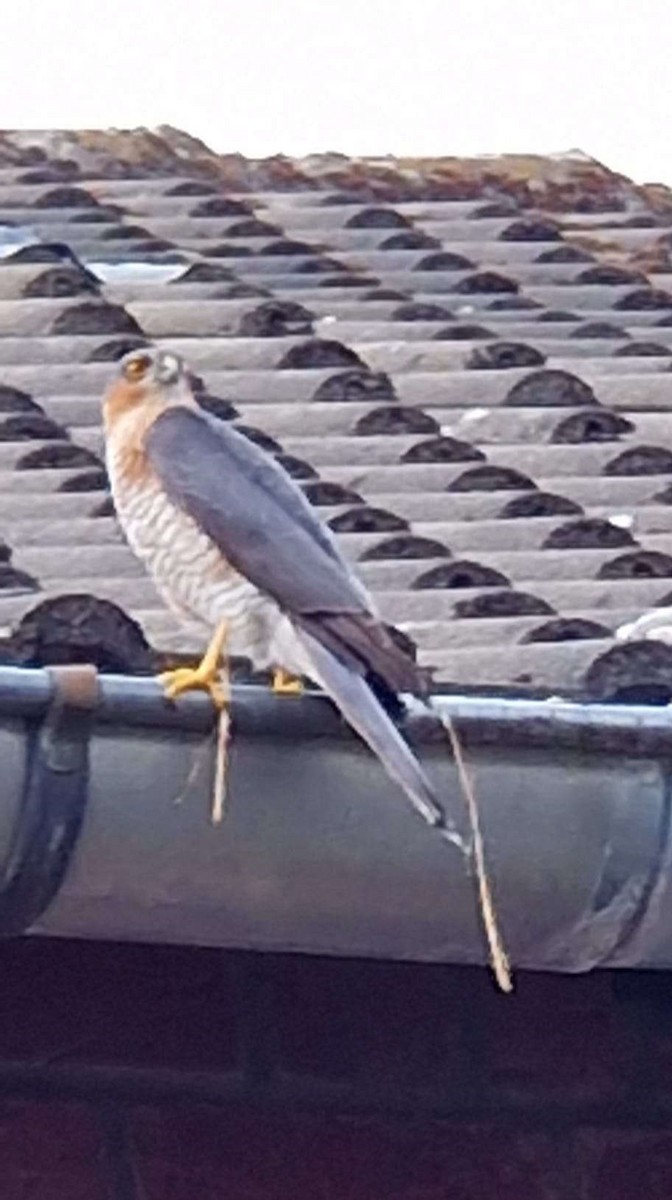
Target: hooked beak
[[168, 368]]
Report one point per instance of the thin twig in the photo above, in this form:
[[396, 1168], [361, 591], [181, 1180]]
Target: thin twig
[[222, 700], [221, 754], [498, 955], [219, 786]]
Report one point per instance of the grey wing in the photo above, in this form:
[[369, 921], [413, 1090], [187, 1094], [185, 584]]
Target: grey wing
[[267, 529], [252, 509]]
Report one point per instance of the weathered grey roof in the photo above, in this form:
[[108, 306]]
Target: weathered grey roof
[[466, 362]]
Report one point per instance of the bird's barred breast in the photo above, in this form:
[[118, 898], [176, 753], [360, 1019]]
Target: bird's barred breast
[[189, 570]]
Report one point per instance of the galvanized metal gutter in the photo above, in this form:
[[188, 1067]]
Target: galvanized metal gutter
[[318, 852]]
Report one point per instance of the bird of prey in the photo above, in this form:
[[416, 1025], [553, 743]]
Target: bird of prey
[[235, 547]]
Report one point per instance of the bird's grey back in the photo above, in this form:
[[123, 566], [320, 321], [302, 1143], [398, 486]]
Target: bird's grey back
[[254, 511]]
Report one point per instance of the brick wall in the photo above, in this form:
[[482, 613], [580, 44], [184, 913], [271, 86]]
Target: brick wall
[[131, 1073]]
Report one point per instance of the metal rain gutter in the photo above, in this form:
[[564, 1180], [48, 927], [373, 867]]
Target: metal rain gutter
[[105, 830]]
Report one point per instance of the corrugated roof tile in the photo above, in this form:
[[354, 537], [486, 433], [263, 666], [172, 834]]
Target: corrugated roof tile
[[421, 342]]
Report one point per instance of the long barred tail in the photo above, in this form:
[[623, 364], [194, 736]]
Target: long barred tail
[[368, 718]]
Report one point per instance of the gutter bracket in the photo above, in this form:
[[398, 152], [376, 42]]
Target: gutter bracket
[[53, 802]]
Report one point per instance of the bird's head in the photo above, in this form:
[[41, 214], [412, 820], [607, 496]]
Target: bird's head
[[147, 381]]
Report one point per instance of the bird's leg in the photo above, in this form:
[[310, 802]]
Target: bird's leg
[[285, 684], [206, 677]]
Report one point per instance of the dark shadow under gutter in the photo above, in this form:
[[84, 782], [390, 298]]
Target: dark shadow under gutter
[[105, 828]]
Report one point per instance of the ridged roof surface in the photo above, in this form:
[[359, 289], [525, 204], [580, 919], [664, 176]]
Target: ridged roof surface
[[465, 362]]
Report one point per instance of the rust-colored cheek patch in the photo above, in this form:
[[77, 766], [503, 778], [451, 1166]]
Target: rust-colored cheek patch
[[121, 398], [129, 411]]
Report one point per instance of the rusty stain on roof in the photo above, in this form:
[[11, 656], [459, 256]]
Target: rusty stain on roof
[[558, 183]]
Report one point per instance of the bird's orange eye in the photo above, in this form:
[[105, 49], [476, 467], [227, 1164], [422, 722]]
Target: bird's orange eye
[[136, 368]]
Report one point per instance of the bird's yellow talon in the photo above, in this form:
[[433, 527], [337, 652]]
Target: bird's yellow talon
[[205, 677], [190, 679], [285, 684]]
